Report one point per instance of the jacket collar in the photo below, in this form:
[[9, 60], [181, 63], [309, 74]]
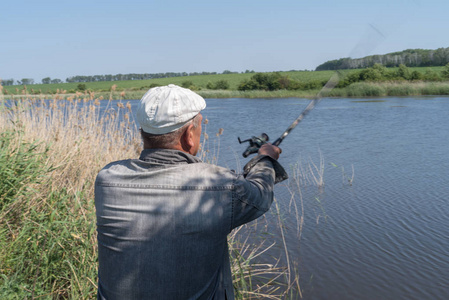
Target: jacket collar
[[168, 156]]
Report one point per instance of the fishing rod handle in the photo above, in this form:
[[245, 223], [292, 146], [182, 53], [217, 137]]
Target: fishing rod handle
[[277, 142]]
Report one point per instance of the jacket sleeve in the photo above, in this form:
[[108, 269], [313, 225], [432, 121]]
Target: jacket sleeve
[[253, 190]]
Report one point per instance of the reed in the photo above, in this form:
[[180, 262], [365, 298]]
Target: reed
[[50, 154], [256, 94]]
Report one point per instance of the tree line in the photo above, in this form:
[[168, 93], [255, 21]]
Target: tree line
[[117, 77], [376, 73], [409, 58]]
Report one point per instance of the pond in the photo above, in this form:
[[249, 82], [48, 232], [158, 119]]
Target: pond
[[378, 228]]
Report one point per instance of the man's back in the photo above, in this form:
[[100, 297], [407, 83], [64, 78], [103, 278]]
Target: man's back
[[163, 220], [162, 228]]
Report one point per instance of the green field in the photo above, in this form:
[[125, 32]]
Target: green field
[[134, 89], [200, 81]]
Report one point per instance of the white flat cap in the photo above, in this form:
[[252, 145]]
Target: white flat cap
[[167, 108]]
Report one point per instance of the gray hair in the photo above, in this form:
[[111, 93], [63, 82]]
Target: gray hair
[[170, 139]]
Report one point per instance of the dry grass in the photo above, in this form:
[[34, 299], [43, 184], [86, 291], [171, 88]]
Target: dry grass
[[74, 131], [48, 239]]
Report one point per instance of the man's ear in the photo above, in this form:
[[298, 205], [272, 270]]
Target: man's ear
[[187, 138]]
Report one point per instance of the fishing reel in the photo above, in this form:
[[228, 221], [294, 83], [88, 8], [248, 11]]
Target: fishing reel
[[255, 143]]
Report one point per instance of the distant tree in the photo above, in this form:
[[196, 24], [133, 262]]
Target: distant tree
[[263, 81], [46, 80], [431, 75], [81, 87], [219, 85], [54, 81], [222, 85], [415, 75], [8, 82], [284, 82], [375, 73], [403, 72], [26, 81], [445, 71], [248, 85], [187, 84], [409, 57], [229, 72]]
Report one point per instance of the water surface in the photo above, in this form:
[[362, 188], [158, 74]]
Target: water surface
[[386, 236]]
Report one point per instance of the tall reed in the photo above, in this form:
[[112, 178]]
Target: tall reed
[[51, 152]]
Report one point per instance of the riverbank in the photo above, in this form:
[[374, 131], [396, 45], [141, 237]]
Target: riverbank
[[377, 81], [359, 90], [50, 154]]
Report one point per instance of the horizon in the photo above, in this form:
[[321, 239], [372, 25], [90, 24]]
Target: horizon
[[62, 40]]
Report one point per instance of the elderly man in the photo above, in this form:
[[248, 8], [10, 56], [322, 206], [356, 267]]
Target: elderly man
[[163, 219]]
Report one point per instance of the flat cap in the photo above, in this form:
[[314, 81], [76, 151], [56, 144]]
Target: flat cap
[[167, 108]]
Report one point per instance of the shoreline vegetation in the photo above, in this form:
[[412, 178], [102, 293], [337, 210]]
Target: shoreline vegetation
[[376, 81], [50, 153]]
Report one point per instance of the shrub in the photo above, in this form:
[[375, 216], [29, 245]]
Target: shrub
[[219, 85], [187, 84], [362, 89], [403, 72], [249, 85], [445, 72], [222, 85], [415, 75], [264, 81], [431, 75]]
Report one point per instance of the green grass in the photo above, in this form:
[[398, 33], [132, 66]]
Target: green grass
[[199, 81], [43, 239], [393, 89], [134, 89]]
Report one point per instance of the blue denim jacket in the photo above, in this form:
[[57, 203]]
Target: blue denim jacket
[[163, 221]]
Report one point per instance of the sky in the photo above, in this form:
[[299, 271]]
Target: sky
[[59, 39]]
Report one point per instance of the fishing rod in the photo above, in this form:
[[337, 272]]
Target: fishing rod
[[256, 142], [366, 44]]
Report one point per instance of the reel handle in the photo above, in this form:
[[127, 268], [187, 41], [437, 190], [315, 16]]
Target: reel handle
[[255, 143]]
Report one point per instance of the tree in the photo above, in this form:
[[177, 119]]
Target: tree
[[222, 85], [416, 75], [81, 87], [46, 80], [54, 81], [431, 75], [403, 72], [8, 82], [371, 74], [187, 84], [445, 71], [263, 81], [26, 81], [248, 85]]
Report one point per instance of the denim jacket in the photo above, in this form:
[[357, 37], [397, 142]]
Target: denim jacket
[[163, 221]]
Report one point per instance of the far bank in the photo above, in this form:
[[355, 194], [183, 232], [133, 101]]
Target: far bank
[[359, 90]]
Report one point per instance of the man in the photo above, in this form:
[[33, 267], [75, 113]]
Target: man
[[163, 219]]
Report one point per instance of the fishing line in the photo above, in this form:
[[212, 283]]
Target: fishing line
[[366, 44]]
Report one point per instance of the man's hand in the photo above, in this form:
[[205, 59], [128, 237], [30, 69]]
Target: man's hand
[[270, 150]]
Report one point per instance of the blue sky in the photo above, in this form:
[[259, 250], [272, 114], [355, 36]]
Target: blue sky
[[59, 39]]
